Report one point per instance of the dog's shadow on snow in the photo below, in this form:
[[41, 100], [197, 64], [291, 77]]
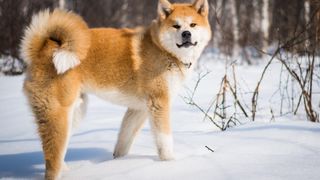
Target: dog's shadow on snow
[[31, 164]]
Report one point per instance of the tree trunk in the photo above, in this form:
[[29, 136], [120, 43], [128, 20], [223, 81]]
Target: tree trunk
[[62, 4], [307, 11], [236, 47], [265, 24], [307, 19], [318, 28], [217, 39]]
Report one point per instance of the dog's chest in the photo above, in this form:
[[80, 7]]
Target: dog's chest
[[175, 81]]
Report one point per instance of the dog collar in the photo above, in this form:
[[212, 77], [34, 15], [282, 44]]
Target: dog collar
[[187, 65], [172, 63]]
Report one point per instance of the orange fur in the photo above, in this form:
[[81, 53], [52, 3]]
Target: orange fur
[[126, 66]]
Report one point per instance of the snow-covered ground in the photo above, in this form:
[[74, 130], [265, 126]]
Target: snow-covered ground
[[287, 147]]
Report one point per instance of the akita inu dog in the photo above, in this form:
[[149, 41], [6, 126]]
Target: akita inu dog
[[140, 68]]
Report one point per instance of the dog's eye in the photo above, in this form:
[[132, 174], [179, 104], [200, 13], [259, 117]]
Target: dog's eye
[[193, 25], [176, 26]]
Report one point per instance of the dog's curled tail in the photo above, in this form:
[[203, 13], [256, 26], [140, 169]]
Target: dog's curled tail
[[61, 36]]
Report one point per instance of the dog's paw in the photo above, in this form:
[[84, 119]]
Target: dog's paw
[[65, 167], [120, 150], [51, 175], [118, 154], [166, 155], [167, 158]]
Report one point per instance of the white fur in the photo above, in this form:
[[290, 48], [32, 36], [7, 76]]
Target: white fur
[[75, 114], [171, 37], [174, 82], [119, 98], [69, 132], [131, 124], [184, 22], [38, 28], [116, 97], [80, 110], [64, 60], [164, 142], [165, 146]]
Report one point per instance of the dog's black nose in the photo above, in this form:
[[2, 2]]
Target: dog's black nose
[[186, 34]]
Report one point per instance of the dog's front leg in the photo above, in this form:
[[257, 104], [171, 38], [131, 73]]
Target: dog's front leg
[[160, 123]]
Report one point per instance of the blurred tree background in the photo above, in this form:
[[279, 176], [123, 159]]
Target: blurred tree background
[[241, 27]]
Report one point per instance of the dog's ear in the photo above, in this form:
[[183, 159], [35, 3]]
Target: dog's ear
[[164, 9], [201, 6]]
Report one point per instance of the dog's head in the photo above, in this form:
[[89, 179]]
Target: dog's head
[[183, 29]]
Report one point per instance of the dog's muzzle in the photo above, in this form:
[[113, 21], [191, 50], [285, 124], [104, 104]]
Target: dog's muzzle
[[186, 40]]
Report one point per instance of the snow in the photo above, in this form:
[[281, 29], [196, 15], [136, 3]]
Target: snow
[[285, 148], [10, 65]]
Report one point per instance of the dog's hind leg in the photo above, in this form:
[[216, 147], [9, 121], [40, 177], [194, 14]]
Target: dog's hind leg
[[54, 111], [131, 124], [54, 129]]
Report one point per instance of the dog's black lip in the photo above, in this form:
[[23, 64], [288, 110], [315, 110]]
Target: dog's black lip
[[187, 44]]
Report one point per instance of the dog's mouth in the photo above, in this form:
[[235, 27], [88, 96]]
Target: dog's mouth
[[187, 44]]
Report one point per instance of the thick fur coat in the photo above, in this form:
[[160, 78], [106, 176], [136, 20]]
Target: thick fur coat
[[139, 68]]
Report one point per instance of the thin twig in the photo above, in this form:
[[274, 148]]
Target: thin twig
[[209, 149]]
